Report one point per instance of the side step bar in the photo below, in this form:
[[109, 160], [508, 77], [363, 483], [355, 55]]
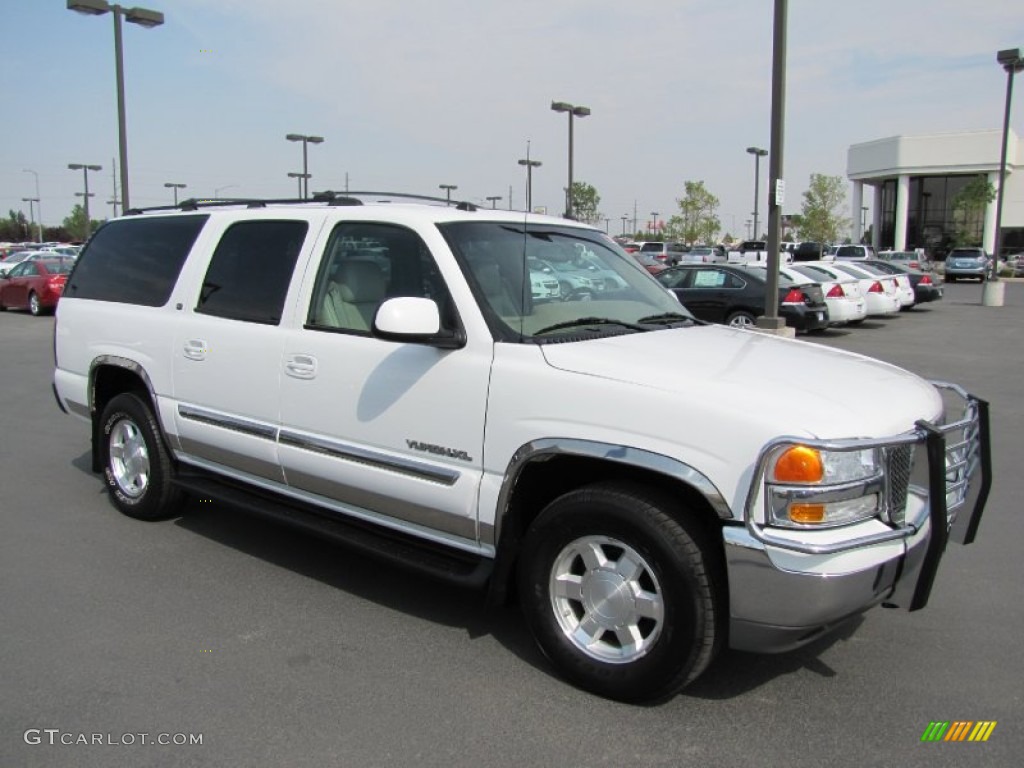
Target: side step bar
[[447, 565]]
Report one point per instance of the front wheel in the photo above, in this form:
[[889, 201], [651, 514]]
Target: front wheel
[[136, 464], [620, 595]]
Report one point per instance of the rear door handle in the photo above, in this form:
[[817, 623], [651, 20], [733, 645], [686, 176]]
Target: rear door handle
[[195, 349], [300, 366]]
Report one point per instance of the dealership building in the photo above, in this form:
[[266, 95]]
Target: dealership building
[[914, 181]]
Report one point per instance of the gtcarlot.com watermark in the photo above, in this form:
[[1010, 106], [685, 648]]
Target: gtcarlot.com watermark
[[56, 737]]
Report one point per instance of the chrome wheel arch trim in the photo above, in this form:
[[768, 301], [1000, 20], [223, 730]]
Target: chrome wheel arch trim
[[538, 450], [120, 362]]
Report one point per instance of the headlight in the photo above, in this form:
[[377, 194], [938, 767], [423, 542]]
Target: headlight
[[811, 487]]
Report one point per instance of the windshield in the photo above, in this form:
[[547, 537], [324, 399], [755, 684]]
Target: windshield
[[601, 289]]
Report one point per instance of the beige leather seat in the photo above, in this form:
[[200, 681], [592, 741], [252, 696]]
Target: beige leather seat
[[352, 299]]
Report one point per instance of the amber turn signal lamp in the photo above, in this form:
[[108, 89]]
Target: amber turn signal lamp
[[799, 464], [807, 513]]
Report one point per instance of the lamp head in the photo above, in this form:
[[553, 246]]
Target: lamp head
[[561, 106], [581, 111], [89, 7], [1010, 58], [144, 17]]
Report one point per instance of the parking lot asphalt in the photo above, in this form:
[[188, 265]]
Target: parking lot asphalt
[[283, 650]]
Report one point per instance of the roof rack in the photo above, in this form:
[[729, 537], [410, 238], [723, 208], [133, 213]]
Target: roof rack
[[329, 197]]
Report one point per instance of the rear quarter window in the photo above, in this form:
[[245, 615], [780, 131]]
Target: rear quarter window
[[134, 261]]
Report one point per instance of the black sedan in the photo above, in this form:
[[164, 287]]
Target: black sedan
[[721, 293], [926, 287]]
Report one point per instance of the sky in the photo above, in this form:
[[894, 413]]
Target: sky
[[410, 94]]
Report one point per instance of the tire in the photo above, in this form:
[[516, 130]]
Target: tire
[[33, 304], [950, 279], [615, 548], [858, 321], [741, 320], [137, 467]]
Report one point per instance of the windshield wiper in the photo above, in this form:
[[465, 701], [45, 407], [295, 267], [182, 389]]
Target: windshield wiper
[[589, 321], [667, 318]]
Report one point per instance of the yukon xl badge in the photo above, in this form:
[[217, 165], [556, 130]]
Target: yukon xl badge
[[438, 450]]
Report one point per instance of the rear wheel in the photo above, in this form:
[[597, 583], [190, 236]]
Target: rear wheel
[[33, 304], [136, 464], [619, 594], [741, 320]]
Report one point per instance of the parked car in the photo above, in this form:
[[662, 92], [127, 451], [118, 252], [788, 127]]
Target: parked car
[[704, 254], [649, 489], [32, 255], [543, 283], [808, 251], [879, 294], [35, 285], [909, 259], [649, 263], [969, 263], [665, 252], [734, 295], [850, 251], [904, 288], [926, 287], [845, 303]]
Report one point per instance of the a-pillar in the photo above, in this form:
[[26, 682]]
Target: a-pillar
[[988, 241], [856, 218], [902, 204]]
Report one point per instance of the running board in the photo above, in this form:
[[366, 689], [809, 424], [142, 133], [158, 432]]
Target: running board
[[446, 564]]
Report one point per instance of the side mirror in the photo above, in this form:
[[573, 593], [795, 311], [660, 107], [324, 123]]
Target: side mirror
[[415, 320]]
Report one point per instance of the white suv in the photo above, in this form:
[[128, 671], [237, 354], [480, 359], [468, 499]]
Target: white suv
[[381, 374]]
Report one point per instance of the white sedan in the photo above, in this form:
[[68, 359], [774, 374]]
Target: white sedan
[[846, 302], [880, 293], [903, 284]]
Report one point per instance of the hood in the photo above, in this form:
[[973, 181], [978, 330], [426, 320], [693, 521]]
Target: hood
[[787, 386]]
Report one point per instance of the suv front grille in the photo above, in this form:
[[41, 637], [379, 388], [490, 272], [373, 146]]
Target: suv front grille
[[899, 463]]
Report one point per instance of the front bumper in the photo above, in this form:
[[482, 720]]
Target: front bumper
[[785, 591]]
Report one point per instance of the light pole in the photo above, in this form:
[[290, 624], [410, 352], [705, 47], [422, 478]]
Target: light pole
[[494, 200], [39, 203], [306, 140], [530, 165], [572, 111], [748, 229], [301, 177], [32, 215], [625, 218], [654, 229], [448, 190], [85, 196], [144, 18], [758, 153], [175, 187], [607, 221], [1012, 62]]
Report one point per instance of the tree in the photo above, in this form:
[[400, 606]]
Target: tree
[[15, 228], [585, 202], [822, 219], [697, 220], [75, 223], [969, 210]]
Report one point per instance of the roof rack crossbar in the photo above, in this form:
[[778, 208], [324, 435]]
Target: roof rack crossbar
[[327, 196]]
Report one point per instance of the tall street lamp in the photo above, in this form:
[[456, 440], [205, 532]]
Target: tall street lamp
[[530, 165], [1012, 62], [654, 228], [306, 140], [758, 153], [32, 215], [144, 18], [39, 203], [572, 111], [625, 218], [494, 200], [301, 177], [448, 190], [84, 168], [175, 187]]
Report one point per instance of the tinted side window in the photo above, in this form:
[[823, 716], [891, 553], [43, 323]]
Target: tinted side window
[[135, 261], [251, 269]]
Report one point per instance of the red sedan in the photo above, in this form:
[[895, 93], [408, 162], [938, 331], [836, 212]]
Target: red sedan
[[35, 285], [649, 263]]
